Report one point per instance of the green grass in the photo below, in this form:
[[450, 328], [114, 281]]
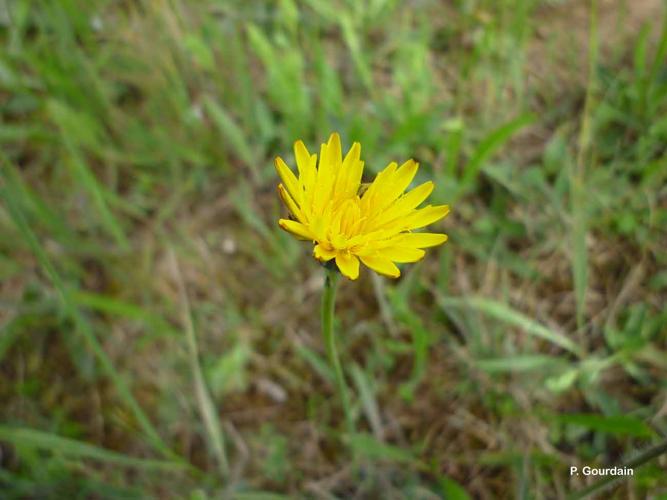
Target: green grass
[[159, 333]]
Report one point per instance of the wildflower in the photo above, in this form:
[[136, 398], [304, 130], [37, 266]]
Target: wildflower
[[346, 225]]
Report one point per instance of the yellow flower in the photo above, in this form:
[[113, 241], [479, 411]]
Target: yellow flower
[[344, 224]]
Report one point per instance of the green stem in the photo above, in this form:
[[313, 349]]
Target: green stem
[[328, 306], [635, 463]]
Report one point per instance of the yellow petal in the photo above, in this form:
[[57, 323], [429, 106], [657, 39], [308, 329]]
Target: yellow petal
[[306, 165], [297, 229], [345, 215], [403, 206], [420, 240], [291, 204], [381, 265], [289, 179], [356, 168], [322, 254], [378, 185], [335, 151], [425, 216], [349, 177], [399, 183], [351, 216], [327, 170], [402, 254], [348, 265], [337, 218], [368, 239], [319, 227], [309, 193]]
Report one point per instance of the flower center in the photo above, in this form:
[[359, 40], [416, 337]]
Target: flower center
[[345, 223]]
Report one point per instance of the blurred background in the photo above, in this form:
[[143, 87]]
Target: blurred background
[[159, 334]]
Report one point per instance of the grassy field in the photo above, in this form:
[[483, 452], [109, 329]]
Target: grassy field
[[160, 334]]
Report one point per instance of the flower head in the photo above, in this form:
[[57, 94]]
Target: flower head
[[347, 225]]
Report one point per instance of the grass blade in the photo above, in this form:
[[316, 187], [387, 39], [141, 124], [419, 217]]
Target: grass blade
[[521, 363], [368, 401], [206, 405], [492, 143], [233, 135], [506, 314], [578, 177], [82, 325], [316, 362], [31, 438], [366, 446], [72, 125], [621, 425]]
